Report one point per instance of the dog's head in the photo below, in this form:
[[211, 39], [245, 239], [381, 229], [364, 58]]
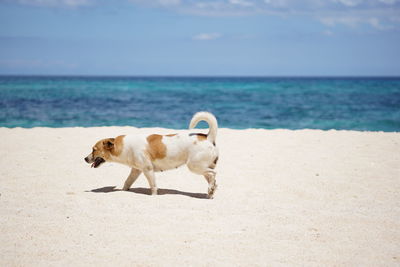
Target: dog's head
[[101, 152]]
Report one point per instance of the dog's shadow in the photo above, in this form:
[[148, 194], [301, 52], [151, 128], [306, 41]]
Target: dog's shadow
[[146, 191]]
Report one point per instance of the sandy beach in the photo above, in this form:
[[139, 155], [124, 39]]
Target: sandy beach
[[284, 198]]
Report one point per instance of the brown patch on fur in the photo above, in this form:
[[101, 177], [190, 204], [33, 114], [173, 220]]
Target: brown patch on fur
[[118, 145], [156, 148], [170, 135], [102, 148], [108, 143], [201, 137], [107, 147], [216, 160], [214, 164]]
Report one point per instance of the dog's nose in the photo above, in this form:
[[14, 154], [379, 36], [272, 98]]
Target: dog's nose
[[87, 160]]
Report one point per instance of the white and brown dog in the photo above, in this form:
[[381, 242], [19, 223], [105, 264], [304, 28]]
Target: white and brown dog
[[153, 153]]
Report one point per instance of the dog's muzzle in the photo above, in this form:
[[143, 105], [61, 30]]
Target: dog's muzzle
[[97, 162]]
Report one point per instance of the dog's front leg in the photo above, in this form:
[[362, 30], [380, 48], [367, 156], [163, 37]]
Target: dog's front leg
[[131, 178], [149, 173]]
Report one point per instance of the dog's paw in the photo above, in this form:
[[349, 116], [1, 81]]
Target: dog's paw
[[211, 191], [125, 188], [154, 191]]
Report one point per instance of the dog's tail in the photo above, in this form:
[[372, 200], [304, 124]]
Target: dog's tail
[[212, 123]]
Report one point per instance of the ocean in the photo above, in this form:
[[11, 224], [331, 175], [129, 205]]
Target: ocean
[[366, 104]]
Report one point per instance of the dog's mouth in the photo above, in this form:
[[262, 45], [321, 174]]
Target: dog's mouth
[[97, 162]]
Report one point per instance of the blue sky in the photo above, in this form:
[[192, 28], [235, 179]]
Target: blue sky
[[210, 37]]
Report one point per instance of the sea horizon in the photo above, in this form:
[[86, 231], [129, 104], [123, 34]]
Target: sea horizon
[[233, 76]]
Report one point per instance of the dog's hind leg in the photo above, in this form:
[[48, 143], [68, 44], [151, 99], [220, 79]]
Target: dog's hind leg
[[212, 186], [131, 178], [208, 173], [152, 180]]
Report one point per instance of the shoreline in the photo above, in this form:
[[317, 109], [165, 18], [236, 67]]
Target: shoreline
[[200, 129]]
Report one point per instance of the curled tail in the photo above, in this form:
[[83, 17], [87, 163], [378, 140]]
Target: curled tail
[[212, 123]]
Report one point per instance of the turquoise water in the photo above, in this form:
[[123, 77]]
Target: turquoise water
[[293, 103]]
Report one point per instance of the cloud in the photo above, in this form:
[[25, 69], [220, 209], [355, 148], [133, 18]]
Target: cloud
[[53, 3], [350, 3], [277, 3], [206, 36], [347, 21], [376, 14], [327, 33], [389, 2], [158, 3], [168, 2], [376, 23], [281, 7], [355, 20], [243, 3]]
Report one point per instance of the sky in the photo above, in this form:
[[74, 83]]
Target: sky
[[200, 38]]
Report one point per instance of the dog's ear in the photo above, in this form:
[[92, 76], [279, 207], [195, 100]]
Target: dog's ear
[[108, 143]]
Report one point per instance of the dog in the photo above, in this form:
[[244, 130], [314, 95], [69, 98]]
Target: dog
[[148, 154]]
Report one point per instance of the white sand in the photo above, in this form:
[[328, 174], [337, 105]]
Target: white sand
[[312, 198]]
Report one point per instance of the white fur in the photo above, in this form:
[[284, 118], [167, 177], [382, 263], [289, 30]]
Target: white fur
[[210, 119], [199, 155]]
